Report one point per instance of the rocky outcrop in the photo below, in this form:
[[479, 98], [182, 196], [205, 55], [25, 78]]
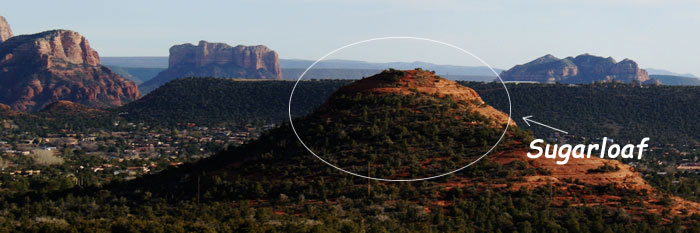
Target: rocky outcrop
[[418, 81], [5, 30], [42, 68], [217, 60], [581, 69], [4, 107]]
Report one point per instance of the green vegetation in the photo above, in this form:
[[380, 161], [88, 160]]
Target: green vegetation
[[624, 112], [274, 185], [605, 168], [227, 102], [421, 134], [64, 121]]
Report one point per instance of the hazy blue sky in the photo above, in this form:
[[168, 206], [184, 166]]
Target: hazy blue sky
[[655, 33]]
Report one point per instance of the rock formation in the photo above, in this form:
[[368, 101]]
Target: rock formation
[[42, 68], [218, 60], [408, 82], [581, 69], [5, 30]]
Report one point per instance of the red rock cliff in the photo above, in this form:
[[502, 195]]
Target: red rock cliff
[[580, 69], [57, 65], [217, 60], [205, 54]]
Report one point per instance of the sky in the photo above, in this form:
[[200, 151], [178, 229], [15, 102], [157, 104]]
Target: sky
[[661, 34]]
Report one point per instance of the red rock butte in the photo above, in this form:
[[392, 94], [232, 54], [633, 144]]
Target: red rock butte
[[418, 81], [206, 53]]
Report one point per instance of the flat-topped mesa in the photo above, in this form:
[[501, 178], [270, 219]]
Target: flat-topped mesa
[[252, 58], [418, 81], [206, 53], [217, 60]]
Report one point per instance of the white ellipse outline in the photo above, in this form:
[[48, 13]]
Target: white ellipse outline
[[291, 122]]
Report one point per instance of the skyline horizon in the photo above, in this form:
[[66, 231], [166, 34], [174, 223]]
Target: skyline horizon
[[651, 32], [656, 70], [662, 69]]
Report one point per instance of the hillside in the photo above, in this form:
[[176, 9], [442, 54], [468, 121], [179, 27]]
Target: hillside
[[676, 80], [627, 111], [231, 102], [278, 175], [624, 112], [394, 120], [397, 124], [62, 116]]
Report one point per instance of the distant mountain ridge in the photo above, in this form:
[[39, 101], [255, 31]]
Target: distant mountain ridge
[[162, 62], [353, 64], [676, 80], [584, 68], [653, 71], [140, 69]]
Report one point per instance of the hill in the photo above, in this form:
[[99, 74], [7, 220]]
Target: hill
[[625, 112], [62, 116], [394, 119], [232, 102], [653, 71], [676, 80]]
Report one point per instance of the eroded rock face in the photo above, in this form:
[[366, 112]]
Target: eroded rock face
[[5, 30], [218, 60], [581, 69], [408, 82], [205, 54], [57, 65]]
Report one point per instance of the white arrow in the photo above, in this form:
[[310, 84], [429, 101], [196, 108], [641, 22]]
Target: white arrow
[[527, 118]]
